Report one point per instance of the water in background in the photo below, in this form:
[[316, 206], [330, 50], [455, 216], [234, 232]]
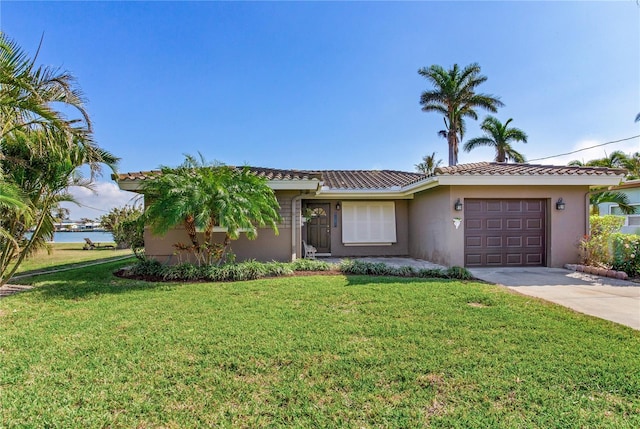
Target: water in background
[[78, 237]]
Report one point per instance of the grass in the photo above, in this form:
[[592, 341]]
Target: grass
[[85, 349], [64, 255]]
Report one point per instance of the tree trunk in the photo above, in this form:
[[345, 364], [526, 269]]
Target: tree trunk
[[452, 138]]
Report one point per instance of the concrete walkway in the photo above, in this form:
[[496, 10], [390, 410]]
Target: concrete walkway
[[606, 298]]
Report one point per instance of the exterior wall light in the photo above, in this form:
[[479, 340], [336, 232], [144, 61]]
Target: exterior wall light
[[458, 206], [560, 204], [338, 206]]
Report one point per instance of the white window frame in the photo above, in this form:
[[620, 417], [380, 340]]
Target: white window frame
[[626, 217], [368, 223]]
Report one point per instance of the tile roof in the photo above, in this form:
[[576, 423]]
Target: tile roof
[[268, 173], [505, 169], [391, 179], [367, 179], [333, 179]]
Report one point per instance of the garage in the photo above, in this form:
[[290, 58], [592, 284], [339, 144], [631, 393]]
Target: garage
[[504, 232]]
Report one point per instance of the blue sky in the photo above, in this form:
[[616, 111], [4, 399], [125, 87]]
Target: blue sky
[[332, 85]]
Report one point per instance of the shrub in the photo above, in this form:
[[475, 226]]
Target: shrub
[[405, 271], [430, 273], [626, 253], [459, 273], [310, 265], [127, 226], [277, 269], [596, 248], [365, 268], [251, 270], [184, 271], [147, 267]]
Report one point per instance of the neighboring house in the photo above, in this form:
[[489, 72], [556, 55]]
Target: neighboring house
[[631, 222], [482, 214]]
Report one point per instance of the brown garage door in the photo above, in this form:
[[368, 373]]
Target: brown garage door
[[504, 232]]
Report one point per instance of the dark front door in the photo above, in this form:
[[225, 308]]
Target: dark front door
[[319, 227], [504, 232]]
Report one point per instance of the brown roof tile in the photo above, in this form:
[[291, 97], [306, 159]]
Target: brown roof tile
[[505, 169], [367, 179], [268, 173], [388, 179], [334, 179]]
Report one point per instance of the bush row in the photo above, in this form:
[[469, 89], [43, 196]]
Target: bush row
[[607, 248], [626, 253], [382, 269], [251, 270]]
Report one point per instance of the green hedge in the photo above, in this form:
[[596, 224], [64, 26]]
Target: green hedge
[[251, 270], [626, 253]]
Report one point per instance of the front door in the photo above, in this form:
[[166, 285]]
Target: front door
[[319, 227]]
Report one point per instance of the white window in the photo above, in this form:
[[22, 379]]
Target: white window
[[629, 220], [368, 223]]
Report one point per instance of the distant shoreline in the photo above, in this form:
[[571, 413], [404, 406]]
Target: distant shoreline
[[76, 237]]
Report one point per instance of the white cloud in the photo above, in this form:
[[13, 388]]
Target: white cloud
[[94, 203], [593, 153]]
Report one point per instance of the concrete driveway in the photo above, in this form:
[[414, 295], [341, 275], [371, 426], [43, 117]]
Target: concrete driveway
[[606, 298]]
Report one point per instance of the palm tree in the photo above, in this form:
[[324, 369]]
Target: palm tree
[[632, 164], [45, 136], [428, 164], [499, 136], [619, 198], [453, 95], [30, 95], [202, 196], [638, 117], [60, 214]]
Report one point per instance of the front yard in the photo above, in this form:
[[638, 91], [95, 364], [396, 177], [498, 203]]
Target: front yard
[[86, 349]]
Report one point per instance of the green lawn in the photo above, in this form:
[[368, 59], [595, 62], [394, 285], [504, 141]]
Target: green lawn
[[85, 349], [63, 255]]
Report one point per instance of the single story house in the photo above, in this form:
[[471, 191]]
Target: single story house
[[631, 188], [473, 215]]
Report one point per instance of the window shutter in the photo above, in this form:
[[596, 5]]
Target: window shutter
[[368, 223]]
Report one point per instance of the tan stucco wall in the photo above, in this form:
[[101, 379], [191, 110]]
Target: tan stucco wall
[[434, 237], [266, 247], [430, 222], [399, 248]]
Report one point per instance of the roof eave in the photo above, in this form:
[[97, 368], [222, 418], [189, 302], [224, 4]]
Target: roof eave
[[276, 185], [529, 180]]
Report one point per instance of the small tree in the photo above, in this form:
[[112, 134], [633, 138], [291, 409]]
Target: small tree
[[127, 227], [596, 248], [203, 196], [428, 164]]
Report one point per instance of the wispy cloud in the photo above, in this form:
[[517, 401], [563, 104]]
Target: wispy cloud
[[104, 197], [593, 153]]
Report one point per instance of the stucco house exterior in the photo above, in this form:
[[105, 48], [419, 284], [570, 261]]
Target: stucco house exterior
[[631, 222], [473, 215]]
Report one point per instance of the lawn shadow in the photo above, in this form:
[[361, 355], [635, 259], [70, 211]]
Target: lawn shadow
[[81, 290], [43, 271], [360, 280], [91, 281]]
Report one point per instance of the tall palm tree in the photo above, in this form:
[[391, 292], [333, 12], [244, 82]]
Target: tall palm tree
[[499, 136], [454, 96], [428, 164], [45, 137]]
